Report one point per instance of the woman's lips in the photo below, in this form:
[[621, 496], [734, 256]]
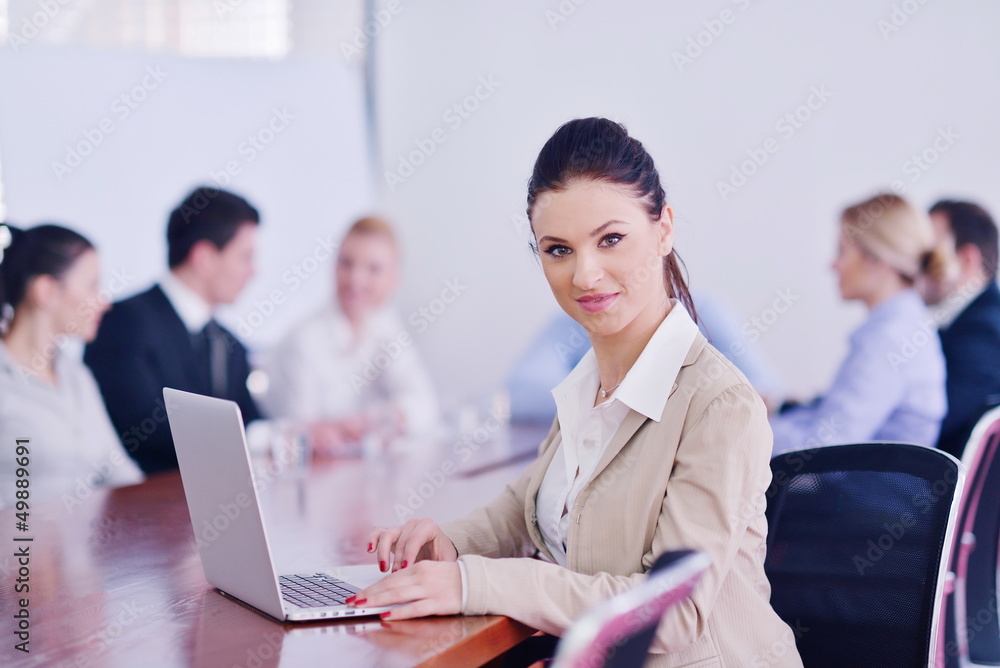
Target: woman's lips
[[597, 303]]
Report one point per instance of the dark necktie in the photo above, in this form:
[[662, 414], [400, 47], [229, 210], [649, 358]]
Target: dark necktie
[[210, 345]]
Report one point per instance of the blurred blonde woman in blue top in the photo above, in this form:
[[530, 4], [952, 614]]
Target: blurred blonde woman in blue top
[[891, 386], [50, 290]]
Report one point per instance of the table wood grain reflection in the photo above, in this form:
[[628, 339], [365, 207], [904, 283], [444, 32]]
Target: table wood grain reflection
[[115, 578]]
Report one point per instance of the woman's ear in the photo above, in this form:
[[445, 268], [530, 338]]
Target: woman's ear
[[41, 291], [665, 231]]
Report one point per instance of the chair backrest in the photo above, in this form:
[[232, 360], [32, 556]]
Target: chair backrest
[[973, 615], [858, 540], [619, 632]]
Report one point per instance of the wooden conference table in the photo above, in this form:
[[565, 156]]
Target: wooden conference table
[[116, 580]]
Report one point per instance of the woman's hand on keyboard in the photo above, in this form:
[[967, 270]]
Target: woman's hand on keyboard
[[396, 548], [424, 589]]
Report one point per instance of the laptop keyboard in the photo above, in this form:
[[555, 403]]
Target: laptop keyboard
[[318, 591]]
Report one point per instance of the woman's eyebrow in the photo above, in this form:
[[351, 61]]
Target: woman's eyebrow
[[594, 233]]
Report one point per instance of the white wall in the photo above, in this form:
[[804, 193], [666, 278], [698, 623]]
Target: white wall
[[890, 96], [181, 128], [461, 211]]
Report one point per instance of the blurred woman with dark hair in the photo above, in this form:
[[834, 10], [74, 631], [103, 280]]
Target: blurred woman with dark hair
[[660, 442], [50, 290]]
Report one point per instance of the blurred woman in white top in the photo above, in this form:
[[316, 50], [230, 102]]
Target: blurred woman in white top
[[50, 290], [354, 364]]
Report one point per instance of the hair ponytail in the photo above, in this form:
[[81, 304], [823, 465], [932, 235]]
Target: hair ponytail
[[934, 264]]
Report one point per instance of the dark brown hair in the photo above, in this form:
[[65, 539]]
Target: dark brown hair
[[206, 214], [44, 250], [598, 149], [972, 224]]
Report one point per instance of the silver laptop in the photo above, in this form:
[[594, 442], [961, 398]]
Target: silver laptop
[[228, 524]]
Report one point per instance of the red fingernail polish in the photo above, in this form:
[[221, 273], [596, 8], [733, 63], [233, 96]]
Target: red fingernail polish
[[370, 547], [385, 615], [361, 601], [381, 566], [350, 599], [403, 565]]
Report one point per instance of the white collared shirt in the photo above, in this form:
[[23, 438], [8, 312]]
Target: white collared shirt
[[323, 371], [195, 313], [73, 446], [191, 307], [587, 429]]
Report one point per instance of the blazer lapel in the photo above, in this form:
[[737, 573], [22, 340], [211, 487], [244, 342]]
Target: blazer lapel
[[634, 419], [177, 339], [632, 422]]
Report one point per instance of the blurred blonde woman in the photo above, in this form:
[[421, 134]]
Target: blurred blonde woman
[[891, 386], [354, 362]]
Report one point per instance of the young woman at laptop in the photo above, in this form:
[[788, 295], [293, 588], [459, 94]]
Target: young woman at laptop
[[660, 442]]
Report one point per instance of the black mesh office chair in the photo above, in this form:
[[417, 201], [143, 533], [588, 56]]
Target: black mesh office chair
[[619, 632], [858, 539], [972, 614]]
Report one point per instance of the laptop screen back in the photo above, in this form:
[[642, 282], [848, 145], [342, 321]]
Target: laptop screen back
[[225, 512]]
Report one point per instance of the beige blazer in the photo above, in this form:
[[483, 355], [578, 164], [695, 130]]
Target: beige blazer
[[695, 479]]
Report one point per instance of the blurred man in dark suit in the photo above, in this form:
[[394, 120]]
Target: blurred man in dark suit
[[966, 307], [168, 337]]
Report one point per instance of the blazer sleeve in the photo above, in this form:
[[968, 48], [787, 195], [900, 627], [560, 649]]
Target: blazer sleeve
[[499, 528], [714, 494], [122, 359]]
